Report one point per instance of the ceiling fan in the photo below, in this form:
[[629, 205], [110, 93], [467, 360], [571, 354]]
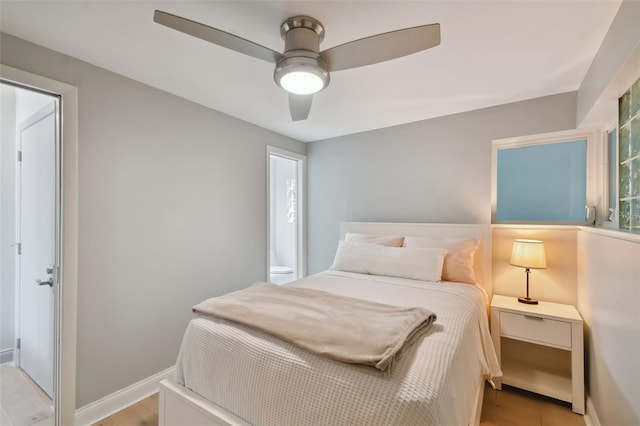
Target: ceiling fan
[[302, 69]]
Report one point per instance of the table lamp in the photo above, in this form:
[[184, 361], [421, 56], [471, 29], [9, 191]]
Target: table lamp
[[528, 254]]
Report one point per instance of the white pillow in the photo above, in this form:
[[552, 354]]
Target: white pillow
[[459, 261], [375, 239], [417, 264]]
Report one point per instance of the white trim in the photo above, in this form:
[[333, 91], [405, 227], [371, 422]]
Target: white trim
[[110, 404], [619, 234], [591, 417], [65, 383], [533, 226], [607, 163], [301, 255], [284, 153], [544, 138]]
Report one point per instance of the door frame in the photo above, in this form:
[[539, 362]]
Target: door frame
[[301, 234], [67, 278]]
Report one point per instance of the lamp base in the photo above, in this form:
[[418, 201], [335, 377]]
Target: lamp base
[[527, 300]]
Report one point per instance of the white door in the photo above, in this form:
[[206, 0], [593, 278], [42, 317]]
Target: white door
[[37, 140]]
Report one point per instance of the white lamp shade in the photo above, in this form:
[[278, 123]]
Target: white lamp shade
[[528, 254]]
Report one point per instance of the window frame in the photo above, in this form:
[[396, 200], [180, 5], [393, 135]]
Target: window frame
[[605, 184], [594, 138]]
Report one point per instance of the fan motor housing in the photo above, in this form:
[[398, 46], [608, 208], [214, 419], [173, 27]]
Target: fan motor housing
[[302, 22], [302, 36]]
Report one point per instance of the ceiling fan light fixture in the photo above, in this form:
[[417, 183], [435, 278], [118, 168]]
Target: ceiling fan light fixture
[[302, 69], [301, 83], [301, 75]]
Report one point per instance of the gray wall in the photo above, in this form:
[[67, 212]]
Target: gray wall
[[436, 170], [172, 208], [622, 37]]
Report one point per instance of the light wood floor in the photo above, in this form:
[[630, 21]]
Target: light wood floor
[[509, 407], [144, 413], [514, 407]]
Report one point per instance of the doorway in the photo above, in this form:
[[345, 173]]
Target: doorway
[[30, 235], [67, 280], [286, 236]]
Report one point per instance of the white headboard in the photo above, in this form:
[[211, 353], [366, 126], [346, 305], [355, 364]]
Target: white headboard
[[435, 230]]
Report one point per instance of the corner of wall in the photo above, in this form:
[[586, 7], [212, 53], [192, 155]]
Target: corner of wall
[[591, 417], [614, 67]]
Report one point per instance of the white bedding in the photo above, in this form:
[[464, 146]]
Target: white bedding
[[267, 381]]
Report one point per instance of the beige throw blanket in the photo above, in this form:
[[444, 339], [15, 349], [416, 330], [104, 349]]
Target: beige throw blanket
[[341, 328]]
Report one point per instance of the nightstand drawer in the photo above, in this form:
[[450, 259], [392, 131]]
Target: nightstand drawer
[[532, 328]]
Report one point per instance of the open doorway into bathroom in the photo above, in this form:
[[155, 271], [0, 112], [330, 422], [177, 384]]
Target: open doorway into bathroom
[[66, 267], [29, 253], [286, 172]]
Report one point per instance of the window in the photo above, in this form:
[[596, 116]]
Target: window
[[544, 179], [629, 158], [612, 175]]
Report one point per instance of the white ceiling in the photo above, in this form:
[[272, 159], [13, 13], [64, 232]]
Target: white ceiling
[[492, 52]]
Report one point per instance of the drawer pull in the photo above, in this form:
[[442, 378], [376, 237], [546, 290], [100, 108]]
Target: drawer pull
[[531, 317]]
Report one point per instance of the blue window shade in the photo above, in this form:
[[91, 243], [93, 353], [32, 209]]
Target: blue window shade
[[542, 183]]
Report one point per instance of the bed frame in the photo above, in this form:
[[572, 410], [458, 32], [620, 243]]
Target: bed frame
[[180, 407]]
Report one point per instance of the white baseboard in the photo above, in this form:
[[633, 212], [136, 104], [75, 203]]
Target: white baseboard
[[110, 404], [590, 417]]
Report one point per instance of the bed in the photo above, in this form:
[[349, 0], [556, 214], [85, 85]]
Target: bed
[[231, 374]]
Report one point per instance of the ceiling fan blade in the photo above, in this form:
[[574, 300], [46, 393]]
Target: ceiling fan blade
[[381, 47], [299, 106], [216, 36]]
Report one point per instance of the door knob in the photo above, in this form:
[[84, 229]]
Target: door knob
[[48, 282]]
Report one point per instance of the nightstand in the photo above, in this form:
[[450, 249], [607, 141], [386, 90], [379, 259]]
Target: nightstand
[[540, 348]]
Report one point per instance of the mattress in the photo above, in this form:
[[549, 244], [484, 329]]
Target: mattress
[[267, 381]]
